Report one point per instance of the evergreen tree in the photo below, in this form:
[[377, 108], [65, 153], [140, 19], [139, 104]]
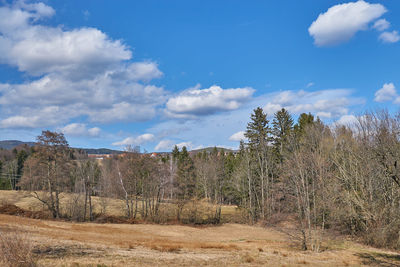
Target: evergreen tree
[[258, 128], [258, 133], [282, 126], [175, 153], [185, 180], [302, 123]]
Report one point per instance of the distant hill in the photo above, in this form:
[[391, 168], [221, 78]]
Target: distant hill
[[210, 149], [10, 144], [101, 151]]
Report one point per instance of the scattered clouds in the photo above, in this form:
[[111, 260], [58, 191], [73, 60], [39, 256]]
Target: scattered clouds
[[389, 37], [196, 102], [387, 93], [325, 103], [80, 129], [381, 25], [239, 136], [219, 128], [139, 140], [341, 22], [74, 73]]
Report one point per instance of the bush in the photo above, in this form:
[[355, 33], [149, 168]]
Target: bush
[[16, 250]]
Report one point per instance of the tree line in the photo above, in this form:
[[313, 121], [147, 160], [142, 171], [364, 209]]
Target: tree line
[[326, 177]]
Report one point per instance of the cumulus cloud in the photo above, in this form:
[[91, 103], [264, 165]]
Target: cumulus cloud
[[239, 136], [381, 25], [80, 129], [196, 102], [341, 22], [139, 140], [390, 37], [386, 93], [324, 103], [80, 72]]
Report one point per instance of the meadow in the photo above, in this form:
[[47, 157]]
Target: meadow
[[65, 243]]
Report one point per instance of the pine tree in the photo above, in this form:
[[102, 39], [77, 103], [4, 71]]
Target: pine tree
[[303, 121], [258, 133], [282, 126], [258, 128]]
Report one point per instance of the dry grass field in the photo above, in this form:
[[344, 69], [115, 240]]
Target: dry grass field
[[58, 243]]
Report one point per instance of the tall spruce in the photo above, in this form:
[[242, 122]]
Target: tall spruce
[[282, 126], [258, 134]]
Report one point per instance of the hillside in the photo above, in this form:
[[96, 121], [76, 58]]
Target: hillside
[[100, 151], [210, 149], [10, 144]]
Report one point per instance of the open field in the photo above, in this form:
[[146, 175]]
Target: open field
[[113, 207], [87, 244], [59, 243]]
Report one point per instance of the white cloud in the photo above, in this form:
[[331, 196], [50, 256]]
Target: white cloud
[[39, 49], [137, 71], [40, 9], [271, 108], [386, 93], [197, 102], [168, 145], [164, 145], [324, 103], [347, 120], [20, 122], [389, 37], [239, 136], [82, 72], [203, 129], [381, 25], [80, 129], [341, 22], [139, 140], [189, 145], [95, 131]]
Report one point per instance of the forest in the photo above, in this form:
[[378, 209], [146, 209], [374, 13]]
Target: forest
[[327, 178]]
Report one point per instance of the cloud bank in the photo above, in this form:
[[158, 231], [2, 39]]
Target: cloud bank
[[74, 73]]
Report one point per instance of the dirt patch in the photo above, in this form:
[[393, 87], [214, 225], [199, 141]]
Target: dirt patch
[[10, 209]]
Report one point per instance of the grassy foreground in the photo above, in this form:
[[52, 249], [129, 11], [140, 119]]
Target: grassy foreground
[[58, 243]]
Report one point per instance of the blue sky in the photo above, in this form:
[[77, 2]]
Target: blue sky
[[160, 73]]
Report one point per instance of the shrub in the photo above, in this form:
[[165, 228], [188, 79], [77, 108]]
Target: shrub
[[16, 250]]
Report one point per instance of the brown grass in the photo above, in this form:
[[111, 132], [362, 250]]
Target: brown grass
[[58, 243], [16, 250], [114, 210]]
